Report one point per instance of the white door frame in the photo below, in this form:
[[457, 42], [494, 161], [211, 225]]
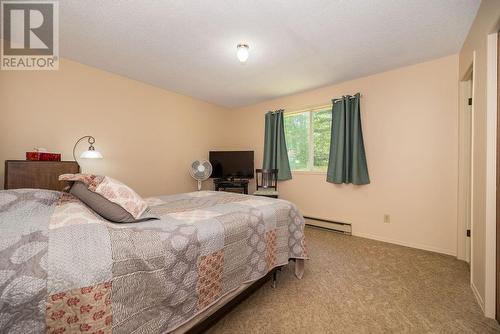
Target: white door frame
[[488, 304], [491, 171]]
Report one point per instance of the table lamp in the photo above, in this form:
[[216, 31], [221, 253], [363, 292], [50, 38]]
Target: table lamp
[[91, 153]]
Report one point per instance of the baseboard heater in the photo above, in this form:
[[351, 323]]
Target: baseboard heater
[[340, 227]]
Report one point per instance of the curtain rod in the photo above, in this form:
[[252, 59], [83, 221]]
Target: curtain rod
[[349, 96], [316, 107]]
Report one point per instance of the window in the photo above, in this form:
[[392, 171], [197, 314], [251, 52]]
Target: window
[[307, 136]]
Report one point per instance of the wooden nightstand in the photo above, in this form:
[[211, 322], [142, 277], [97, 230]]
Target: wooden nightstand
[[37, 174]]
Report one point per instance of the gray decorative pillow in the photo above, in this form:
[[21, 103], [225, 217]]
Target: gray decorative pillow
[[104, 207]]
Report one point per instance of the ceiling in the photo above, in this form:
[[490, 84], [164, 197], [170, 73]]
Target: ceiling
[[189, 46]]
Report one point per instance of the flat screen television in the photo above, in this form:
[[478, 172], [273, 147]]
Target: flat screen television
[[231, 164]]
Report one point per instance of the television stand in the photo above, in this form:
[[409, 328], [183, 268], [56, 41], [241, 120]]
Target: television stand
[[224, 184]]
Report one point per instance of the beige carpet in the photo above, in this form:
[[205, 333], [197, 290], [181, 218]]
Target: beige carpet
[[356, 285]]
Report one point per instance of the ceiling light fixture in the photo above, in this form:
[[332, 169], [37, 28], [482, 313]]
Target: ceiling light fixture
[[242, 52]]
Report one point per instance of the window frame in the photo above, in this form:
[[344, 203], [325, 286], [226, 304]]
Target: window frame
[[311, 170]]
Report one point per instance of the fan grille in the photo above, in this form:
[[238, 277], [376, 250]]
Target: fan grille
[[200, 170]]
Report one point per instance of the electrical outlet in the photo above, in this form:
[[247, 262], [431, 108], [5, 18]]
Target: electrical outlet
[[387, 218]]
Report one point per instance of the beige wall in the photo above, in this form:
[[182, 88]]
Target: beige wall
[[487, 21], [148, 136], [410, 123]]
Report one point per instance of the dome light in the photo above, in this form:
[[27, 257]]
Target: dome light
[[242, 52]]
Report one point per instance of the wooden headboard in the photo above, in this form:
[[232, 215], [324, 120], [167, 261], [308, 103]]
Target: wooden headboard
[[37, 174]]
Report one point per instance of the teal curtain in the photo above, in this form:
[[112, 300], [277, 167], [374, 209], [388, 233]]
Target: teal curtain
[[275, 152], [347, 161]]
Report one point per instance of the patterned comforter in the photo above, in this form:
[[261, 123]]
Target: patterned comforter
[[64, 269]]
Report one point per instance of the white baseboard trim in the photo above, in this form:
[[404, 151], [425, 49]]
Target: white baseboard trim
[[477, 295], [407, 244]]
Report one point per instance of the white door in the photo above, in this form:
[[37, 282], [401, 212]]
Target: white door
[[468, 168]]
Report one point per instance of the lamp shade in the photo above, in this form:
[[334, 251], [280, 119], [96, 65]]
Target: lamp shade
[[91, 154]]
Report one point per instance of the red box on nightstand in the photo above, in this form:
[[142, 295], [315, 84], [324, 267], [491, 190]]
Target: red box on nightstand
[[43, 156]]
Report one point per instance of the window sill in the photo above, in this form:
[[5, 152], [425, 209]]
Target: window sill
[[308, 172]]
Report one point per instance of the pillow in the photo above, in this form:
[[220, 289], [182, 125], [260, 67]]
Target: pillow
[[108, 197]]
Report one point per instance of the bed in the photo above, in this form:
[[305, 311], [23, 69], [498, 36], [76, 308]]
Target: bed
[[63, 268]]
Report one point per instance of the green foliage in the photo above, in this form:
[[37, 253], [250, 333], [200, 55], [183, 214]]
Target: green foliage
[[297, 139], [322, 122]]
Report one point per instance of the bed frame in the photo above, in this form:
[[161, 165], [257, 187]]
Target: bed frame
[[204, 325]]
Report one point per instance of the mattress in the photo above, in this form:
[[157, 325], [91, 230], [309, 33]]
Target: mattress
[[64, 269]]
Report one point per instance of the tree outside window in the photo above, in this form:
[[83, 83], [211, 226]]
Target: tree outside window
[[307, 136]]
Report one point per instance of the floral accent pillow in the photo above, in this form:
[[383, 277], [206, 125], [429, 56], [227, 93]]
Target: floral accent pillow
[[112, 190]]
